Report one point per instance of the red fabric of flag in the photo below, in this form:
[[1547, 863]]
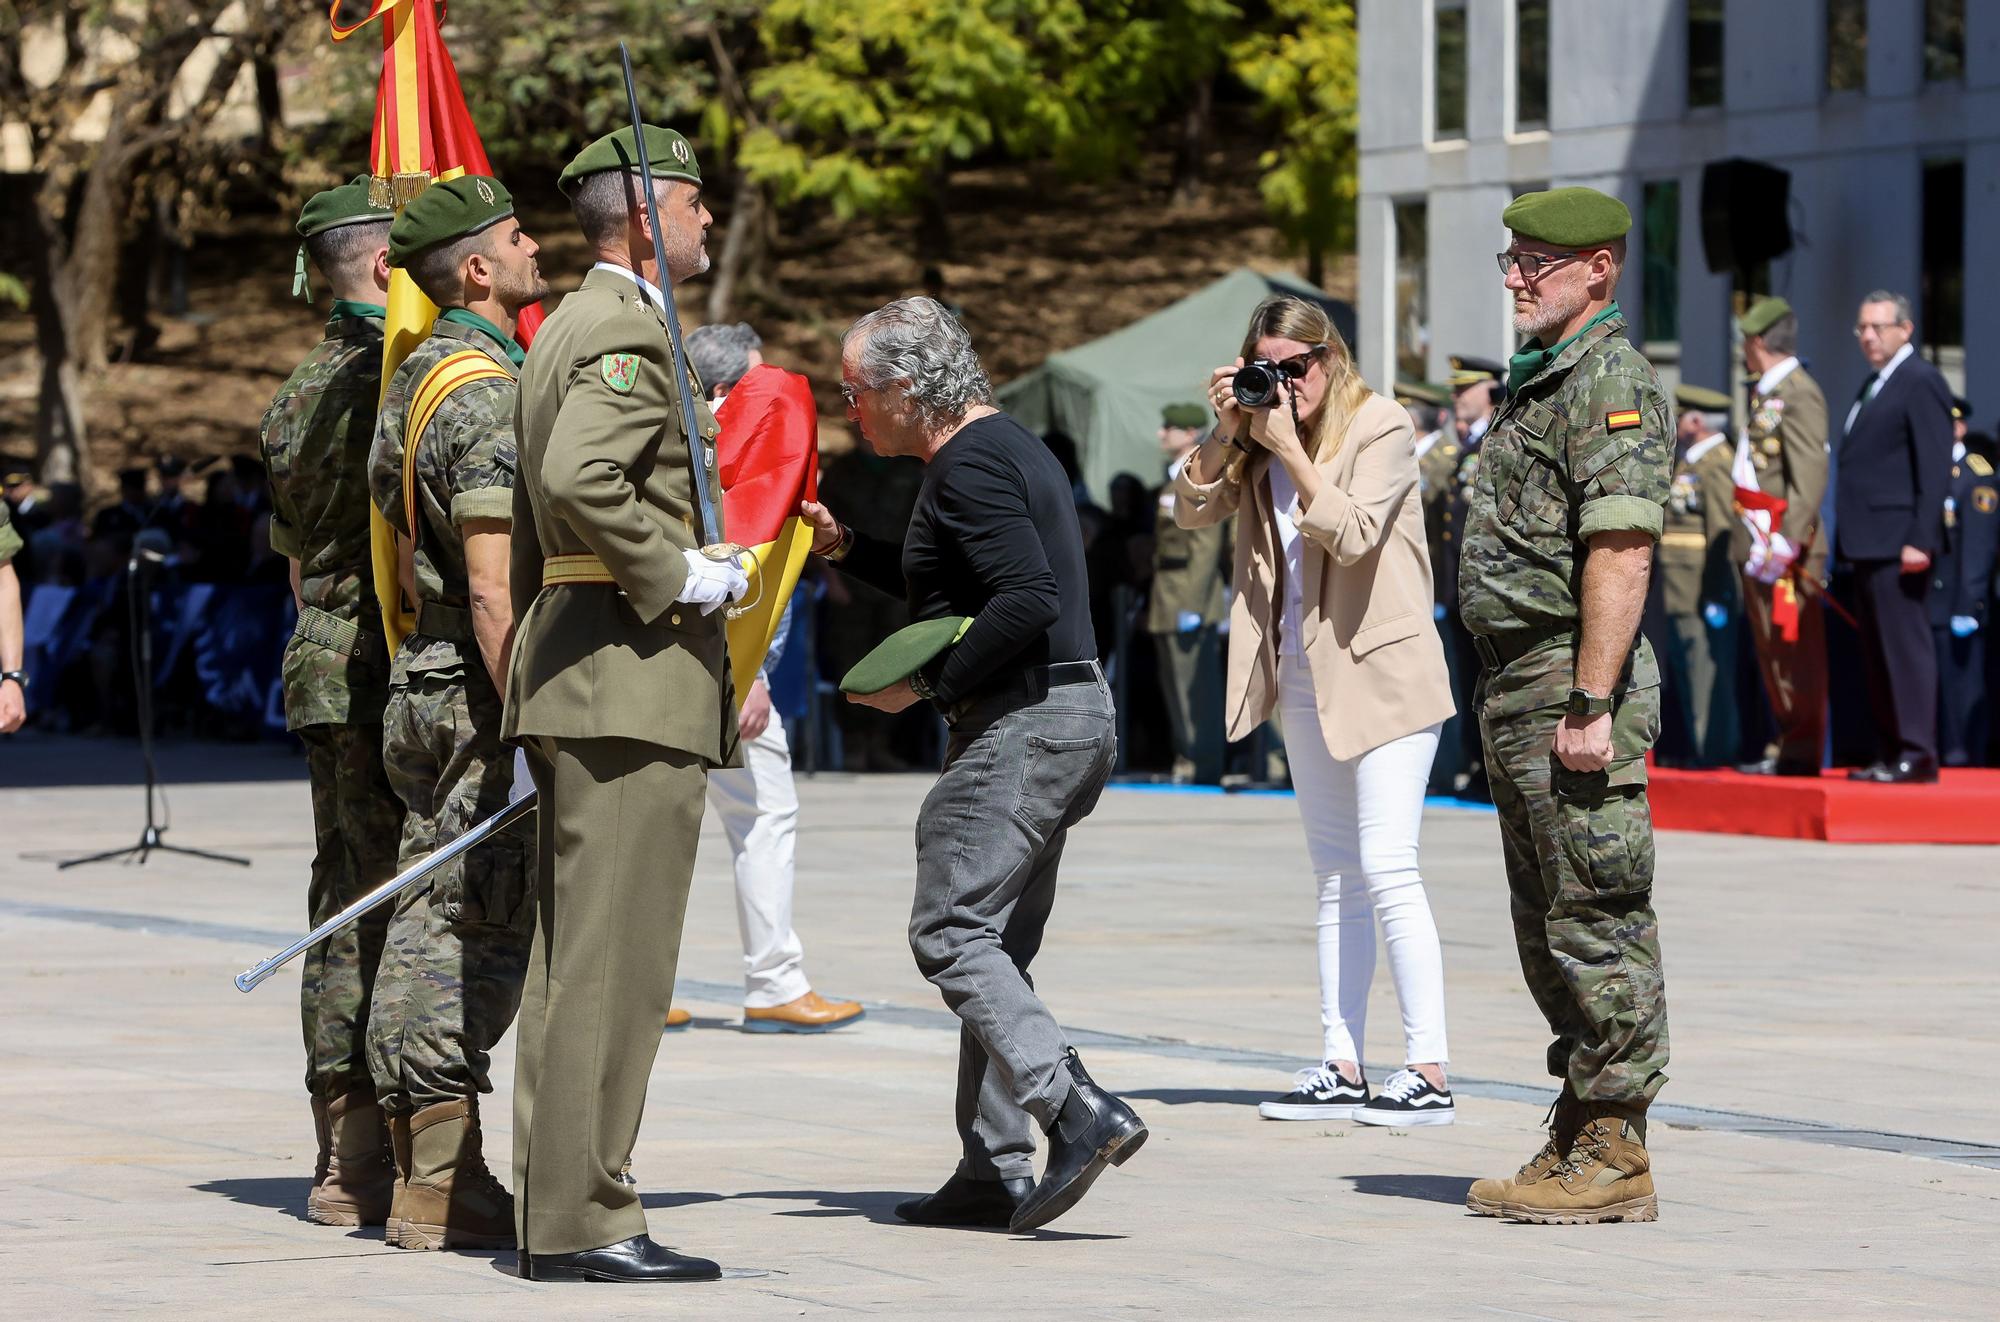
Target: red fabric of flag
[[767, 458]]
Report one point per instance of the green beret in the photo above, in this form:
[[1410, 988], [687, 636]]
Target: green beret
[[903, 652], [1568, 217], [348, 204], [1764, 314], [1420, 392], [1701, 398], [667, 152], [1184, 415], [448, 210]]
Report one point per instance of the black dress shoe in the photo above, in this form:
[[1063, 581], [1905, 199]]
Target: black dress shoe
[[1910, 771], [634, 1259], [1873, 771], [968, 1202], [1093, 1130]]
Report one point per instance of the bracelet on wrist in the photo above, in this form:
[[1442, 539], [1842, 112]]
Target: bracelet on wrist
[[841, 546]]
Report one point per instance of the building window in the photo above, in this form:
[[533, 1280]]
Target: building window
[[1531, 64], [1846, 45], [1413, 304], [1943, 256], [1660, 282], [1704, 53], [1449, 52], [1944, 41]]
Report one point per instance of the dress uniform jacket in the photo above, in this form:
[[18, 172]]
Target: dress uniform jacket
[[1786, 437], [1700, 524]]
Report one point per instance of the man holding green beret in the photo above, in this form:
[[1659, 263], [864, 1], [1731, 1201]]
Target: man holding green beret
[[1185, 610], [1552, 581], [620, 694], [442, 473], [315, 438]]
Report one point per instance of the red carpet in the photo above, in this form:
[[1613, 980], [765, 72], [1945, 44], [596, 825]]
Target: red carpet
[[1963, 808]]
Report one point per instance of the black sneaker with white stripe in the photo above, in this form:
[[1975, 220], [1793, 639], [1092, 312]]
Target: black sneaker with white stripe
[[1321, 1094], [1408, 1098]]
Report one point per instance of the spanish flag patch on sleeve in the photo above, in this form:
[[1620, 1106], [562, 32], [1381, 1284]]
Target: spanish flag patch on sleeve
[[1621, 420]]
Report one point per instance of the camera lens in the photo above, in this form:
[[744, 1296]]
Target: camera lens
[[1256, 385]]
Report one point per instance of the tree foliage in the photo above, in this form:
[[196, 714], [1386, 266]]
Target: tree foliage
[[1303, 66]]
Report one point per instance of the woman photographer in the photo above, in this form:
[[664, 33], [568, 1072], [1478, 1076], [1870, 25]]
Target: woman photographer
[[1332, 626]]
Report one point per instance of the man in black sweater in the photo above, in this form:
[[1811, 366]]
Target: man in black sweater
[[994, 538]]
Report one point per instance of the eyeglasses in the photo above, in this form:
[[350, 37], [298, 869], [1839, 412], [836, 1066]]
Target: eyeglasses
[[1879, 327], [853, 394], [1532, 264]]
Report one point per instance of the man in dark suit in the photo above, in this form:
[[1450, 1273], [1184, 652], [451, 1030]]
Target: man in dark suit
[[1894, 466]]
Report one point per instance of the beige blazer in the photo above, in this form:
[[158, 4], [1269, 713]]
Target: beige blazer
[[1377, 662]]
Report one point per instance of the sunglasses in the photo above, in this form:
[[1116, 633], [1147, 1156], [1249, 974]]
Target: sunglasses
[[1296, 367]]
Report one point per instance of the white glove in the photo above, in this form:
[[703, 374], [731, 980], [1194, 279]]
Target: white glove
[[1770, 566], [524, 784], [710, 583]]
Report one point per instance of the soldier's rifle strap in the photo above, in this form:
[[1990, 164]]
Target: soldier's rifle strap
[[451, 374]]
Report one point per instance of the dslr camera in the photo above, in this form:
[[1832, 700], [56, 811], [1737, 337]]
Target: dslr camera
[[1256, 383]]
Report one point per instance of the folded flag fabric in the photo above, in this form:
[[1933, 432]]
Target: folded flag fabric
[[899, 656], [767, 459]]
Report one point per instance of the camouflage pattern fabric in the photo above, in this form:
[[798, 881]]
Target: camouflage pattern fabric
[[465, 470], [356, 824], [1584, 447], [10, 540], [315, 437], [456, 952]]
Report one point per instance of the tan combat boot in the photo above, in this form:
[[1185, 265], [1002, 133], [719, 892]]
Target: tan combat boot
[[1607, 1176], [1489, 1197], [355, 1177], [449, 1200]]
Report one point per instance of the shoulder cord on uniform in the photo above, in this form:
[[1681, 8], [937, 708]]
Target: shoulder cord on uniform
[[452, 373]]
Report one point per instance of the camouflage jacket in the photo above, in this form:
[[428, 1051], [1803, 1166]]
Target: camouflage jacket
[[465, 470], [1584, 446], [315, 438], [10, 540]]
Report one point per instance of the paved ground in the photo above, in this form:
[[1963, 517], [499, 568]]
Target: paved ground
[[1832, 1148]]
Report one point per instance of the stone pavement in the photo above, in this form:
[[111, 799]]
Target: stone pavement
[[1829, 1145]]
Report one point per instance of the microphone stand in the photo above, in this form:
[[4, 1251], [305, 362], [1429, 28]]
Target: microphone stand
[[138, 602]]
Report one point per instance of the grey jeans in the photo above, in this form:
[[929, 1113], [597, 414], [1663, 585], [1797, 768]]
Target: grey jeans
[[1018, 773]]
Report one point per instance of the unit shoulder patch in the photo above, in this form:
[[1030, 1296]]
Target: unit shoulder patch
[[620, 371], [1985, 499]]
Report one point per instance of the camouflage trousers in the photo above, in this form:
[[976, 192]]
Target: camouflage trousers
[[1578, 848], [457, 946], [356, 824]]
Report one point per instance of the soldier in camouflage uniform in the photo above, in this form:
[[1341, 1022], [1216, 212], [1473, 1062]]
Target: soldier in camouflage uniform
[[1559, 540], [315, 439], [457, 946]]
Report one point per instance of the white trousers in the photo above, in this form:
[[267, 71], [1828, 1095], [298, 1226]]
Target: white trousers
[[759, 808], [1362, 817]]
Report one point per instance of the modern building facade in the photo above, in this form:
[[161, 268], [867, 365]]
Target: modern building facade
[[1884, 113]]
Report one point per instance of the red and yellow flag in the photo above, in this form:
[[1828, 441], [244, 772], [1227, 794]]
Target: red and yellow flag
[[768, 461], [423, 133]]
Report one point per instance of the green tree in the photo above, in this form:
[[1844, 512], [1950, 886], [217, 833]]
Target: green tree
[[1302, 65]]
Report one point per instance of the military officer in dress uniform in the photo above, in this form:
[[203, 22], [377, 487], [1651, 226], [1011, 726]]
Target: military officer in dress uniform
[[442, 473], [619, 690], [1961, 596], [1783, 453], [1185, 610], [1698, 578], [315, 437]]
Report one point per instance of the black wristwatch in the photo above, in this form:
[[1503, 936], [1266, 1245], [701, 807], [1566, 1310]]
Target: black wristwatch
[[1582, 702], [920, 685], [18, 676]]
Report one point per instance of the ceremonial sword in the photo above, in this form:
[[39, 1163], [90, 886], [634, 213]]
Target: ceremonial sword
[[389, 889]]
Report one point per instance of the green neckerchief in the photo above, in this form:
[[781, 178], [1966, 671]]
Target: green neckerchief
[[1525, 365], [463, 317], [347, 307]]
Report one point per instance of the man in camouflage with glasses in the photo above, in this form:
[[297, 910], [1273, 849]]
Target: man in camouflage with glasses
[[1567, 504]]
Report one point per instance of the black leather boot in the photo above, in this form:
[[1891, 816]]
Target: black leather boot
[[1093, 1130], [634, 1259], [968, 1202]]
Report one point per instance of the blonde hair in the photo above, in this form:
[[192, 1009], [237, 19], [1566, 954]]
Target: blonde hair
[[1286, 317]]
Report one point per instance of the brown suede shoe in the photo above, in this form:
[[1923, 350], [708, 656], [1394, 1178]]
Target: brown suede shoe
[[1565, 1118], [677, 1019], [448, 1198], [1607, 1176], [355, 1177], [810, 1013]]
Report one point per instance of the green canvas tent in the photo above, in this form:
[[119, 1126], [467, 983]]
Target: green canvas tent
[[1107, 394]]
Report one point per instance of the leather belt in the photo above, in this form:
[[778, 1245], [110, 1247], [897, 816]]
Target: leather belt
[[1503, 650], [581, 568], [1032, 683]]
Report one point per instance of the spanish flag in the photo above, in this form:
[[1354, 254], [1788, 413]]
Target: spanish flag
[[423, 132], [768, 461]]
